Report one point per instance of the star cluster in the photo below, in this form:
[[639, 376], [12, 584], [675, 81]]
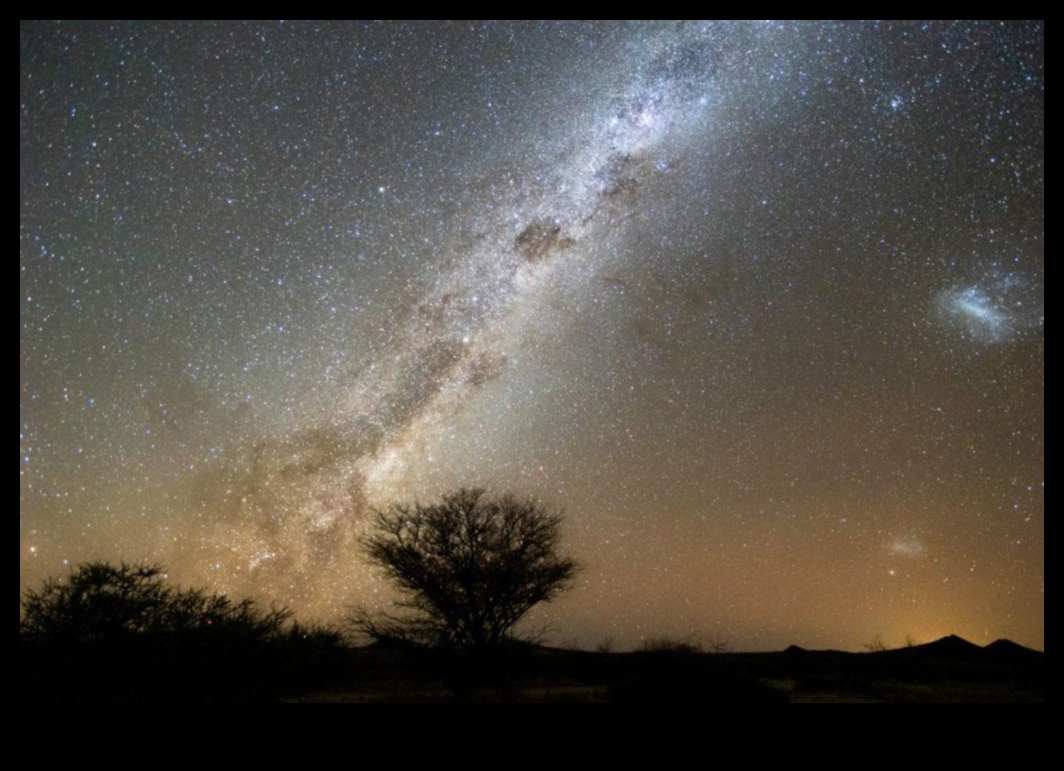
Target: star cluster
[[759, 304]]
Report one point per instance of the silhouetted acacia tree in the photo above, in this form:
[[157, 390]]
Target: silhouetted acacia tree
[[469, 568]]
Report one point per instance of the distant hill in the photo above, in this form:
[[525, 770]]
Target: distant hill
[[1009, 652], [957, 649]]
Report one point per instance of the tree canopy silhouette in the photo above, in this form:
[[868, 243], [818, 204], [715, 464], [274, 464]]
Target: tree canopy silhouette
[[469, 569]]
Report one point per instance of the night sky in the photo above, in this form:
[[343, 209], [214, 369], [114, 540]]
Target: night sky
[[758, 304]]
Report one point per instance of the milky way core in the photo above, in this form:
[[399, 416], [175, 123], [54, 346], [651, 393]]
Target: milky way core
[[758, 304]]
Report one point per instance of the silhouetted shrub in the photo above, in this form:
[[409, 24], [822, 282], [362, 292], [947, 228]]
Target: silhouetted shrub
[[121, 633], [104, 604], [661, 646]]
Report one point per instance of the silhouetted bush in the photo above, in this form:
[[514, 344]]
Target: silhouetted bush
[[104, 604], [659, 646], [121, 633]]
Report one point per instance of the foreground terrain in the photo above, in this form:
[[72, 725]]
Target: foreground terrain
[[949, 671]]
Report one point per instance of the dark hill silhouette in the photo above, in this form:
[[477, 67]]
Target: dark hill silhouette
[[958, 650], [951, 648], [1008, 652]]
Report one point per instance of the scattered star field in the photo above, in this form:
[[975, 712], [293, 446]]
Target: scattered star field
[[758, 304]]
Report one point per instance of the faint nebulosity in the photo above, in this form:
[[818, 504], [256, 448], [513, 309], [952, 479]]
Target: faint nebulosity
[[759, 304]]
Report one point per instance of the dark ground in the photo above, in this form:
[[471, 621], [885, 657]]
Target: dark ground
[[947, 672], [950, 671]]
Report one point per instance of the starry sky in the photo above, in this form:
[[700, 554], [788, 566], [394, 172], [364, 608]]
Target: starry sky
[[758, 304]]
